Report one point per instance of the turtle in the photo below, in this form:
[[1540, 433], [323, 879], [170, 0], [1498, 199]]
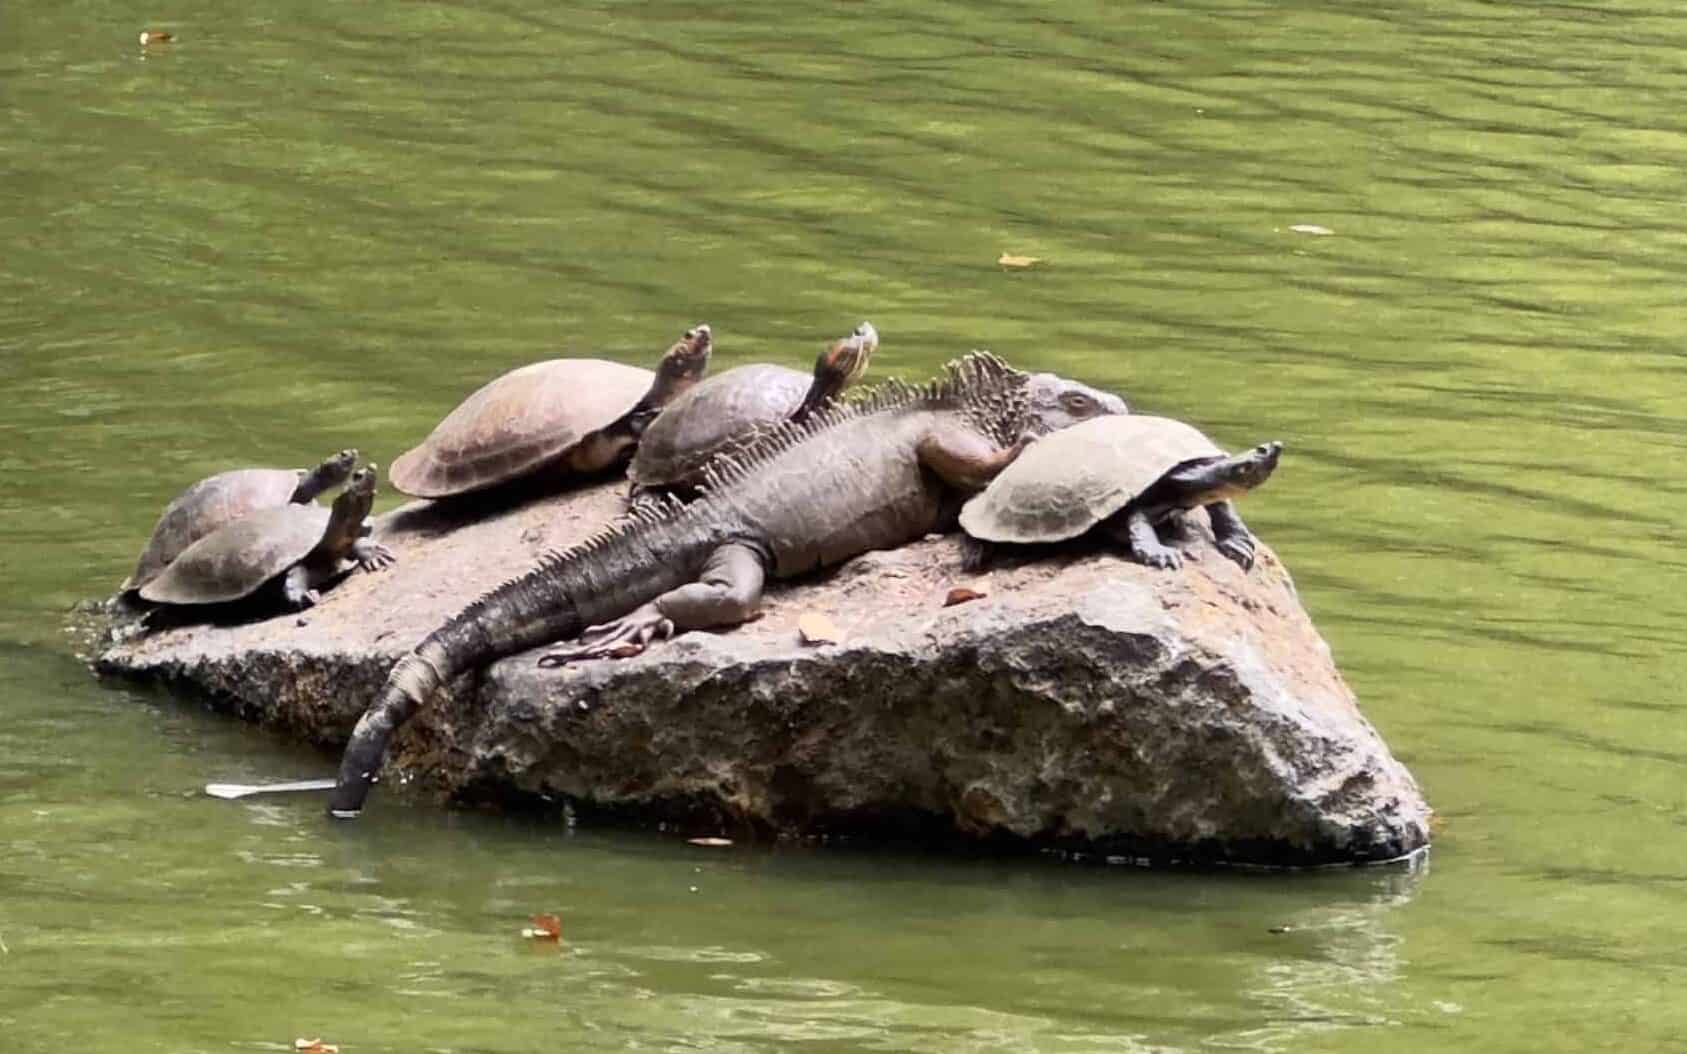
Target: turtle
[[303, 548], [219, 500], [561, 417], [1127, 476], [726, 409]]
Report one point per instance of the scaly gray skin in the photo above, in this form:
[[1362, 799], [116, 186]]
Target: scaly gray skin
[[219, 500], [1209, 482], [346, 538], [875, 473]]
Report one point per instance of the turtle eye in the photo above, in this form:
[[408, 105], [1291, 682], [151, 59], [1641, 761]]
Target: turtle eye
[[1077, 403]]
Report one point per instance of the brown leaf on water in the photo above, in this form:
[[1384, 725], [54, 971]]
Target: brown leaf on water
[[816, 628], [156, 36], [1010, 260], [544, 928], [960, 595], [710, 843], [314, 1046]]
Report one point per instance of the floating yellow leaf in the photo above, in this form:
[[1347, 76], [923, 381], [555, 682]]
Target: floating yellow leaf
[[1310, 228], [1010, 260], [710, 843], [817, 628], [155, 36], [314, 1046], [544, 928]]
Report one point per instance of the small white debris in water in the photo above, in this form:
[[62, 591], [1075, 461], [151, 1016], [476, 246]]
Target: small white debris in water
[[1310, 228], [694, 889]]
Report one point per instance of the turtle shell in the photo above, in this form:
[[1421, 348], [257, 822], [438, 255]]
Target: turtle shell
[[1067, 482], [233, 561], [705, 420], [213, 502], [518, 422]]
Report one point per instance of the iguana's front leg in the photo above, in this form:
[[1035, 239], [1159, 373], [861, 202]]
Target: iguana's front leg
[[728, 591], [966, 460]]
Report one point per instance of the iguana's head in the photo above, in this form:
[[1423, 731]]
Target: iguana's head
[[1053, 403]]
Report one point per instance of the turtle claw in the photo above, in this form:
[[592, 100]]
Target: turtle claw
[[621, 639], [1165, 559], [376, 558], [309, 599], [1241, 550]]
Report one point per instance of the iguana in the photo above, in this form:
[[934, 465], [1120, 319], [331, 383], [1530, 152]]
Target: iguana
[[876, 472]]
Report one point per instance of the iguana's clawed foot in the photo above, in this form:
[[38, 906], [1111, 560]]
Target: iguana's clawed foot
[[621, 639], [375, 557], [1239, 548]]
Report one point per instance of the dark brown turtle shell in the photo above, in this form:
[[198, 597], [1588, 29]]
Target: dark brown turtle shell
[[518, 422], [708, 418], [1067, 482], [233, 561]]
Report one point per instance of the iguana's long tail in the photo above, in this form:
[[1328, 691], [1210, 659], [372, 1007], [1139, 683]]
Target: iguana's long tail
[[600, 580]]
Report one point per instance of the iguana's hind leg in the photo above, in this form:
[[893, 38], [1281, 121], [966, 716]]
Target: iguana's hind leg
[[1232, 535], [728, 591]]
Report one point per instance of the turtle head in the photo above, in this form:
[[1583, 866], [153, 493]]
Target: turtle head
[[1053, 403], [361, 487], [838, 367], [1211, 479], [682, 366], [686, 362], [326, 476]]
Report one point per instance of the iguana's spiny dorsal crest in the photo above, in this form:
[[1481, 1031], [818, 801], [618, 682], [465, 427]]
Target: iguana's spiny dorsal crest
[[979, 385], [878, 471]]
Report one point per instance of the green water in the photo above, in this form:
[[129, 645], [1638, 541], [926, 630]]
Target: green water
[[322, 225]]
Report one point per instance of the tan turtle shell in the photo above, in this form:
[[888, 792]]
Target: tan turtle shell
[[516, 423], [705, 420], [233, 561], [1067, 482]]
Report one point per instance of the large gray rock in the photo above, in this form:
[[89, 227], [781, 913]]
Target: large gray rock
[[1084, 703]]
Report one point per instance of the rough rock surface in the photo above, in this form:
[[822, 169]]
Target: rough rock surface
[[1084, 703]]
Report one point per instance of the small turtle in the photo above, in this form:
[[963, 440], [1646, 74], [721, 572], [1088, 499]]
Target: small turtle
[[1127, 474], [563, 416], [219, 500], [727, 407], [302, 547]]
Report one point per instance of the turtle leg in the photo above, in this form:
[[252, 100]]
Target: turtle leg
[[976, 554], [372, 555], [1232, 535], [728, 591], [1139, 537], [296, 587]]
